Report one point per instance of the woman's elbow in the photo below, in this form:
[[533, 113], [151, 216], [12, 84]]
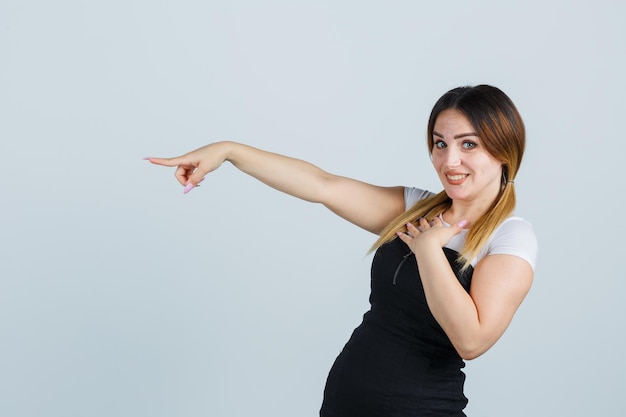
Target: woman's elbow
[[469, 355], [471, 351]]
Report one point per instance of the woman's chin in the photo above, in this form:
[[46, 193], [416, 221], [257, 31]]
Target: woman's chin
[[455, 193]]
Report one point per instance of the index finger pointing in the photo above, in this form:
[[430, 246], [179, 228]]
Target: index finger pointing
[[168, 162]]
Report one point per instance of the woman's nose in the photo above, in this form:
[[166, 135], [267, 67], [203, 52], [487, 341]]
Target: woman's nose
[[453, 159]]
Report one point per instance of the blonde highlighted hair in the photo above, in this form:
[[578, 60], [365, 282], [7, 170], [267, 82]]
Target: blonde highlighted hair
[[501, 131]]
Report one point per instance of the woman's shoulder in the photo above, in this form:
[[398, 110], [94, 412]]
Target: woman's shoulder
[[514, 236], [412, 195], [514, 225]]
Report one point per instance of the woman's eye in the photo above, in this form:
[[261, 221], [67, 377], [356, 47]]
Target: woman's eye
[[439, 144], [469, 145]]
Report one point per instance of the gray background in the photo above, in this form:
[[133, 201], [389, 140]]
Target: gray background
[[120, 296]]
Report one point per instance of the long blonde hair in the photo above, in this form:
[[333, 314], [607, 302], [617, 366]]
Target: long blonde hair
[[501, 131]]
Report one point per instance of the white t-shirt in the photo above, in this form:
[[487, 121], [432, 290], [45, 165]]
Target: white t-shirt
[[515, 236]]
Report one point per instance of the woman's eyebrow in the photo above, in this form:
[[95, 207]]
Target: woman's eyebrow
[[459, 136]]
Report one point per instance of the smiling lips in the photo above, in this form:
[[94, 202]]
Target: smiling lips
[[456, 178]]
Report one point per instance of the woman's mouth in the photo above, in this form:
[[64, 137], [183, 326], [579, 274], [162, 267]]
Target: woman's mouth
[[457, 177]]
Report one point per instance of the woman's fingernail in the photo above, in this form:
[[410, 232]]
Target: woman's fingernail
[[188, 188], [462, 223]]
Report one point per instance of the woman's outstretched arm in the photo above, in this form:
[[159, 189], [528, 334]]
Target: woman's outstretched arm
[[368, 206]]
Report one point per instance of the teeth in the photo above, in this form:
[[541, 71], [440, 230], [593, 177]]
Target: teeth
[[456, 177]]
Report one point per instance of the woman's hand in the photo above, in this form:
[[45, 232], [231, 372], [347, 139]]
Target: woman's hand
[[194, 165], [434, 233]]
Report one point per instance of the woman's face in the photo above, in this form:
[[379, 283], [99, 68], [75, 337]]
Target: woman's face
[[465, 168]]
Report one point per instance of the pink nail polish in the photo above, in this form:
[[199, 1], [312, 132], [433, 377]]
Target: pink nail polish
[[188, 188], [462, 223]]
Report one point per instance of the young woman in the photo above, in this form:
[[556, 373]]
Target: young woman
[[450, 269]]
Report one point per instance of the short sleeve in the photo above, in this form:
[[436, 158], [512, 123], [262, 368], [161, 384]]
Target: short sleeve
[[412, 195], [515, 236]]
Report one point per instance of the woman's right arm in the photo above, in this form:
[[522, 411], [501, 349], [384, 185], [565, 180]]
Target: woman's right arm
[[367, 206]]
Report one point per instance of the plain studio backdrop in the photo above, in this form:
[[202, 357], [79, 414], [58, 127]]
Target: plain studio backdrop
[[120, 296]]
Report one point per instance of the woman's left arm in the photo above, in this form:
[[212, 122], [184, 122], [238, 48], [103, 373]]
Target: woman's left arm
[[473, 321]]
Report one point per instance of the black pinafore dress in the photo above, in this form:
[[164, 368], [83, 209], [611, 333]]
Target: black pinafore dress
[[398, 362]]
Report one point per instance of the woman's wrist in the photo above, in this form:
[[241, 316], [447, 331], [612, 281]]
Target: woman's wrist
[[227, 150]]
